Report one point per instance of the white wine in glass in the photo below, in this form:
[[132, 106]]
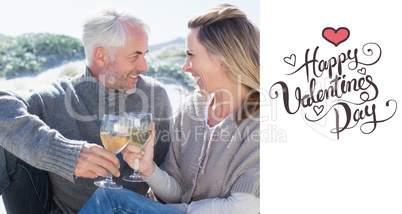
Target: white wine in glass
[[114, 134], [140, 132], [114, 142]]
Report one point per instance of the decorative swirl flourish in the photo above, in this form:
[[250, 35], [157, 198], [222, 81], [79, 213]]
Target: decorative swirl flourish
[[368, 51]]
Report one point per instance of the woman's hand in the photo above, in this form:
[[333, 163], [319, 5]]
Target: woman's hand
[[144, 155]]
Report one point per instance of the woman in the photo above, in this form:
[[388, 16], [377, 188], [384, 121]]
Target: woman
[[213, 162]]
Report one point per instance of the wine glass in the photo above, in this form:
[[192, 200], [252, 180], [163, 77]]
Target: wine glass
[[114, 135], [140, 132]]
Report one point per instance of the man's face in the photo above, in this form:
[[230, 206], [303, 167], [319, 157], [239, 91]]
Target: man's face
[[129, 62]]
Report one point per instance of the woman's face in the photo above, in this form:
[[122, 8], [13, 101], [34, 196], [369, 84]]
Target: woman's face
[[206, 68]]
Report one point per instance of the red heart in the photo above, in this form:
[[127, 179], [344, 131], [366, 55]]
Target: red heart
[[336, 37]]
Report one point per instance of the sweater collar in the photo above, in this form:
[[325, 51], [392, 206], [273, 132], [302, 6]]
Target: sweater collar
[[201, 109], [91, 86]]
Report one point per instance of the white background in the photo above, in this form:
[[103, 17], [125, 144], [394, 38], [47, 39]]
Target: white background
[[311, 172]]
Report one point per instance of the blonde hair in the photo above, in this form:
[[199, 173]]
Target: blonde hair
[[227, 33]]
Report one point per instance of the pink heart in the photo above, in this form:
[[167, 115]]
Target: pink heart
[[336, 37]]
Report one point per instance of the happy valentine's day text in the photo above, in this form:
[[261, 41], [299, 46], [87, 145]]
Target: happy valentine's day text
[[347, 113]]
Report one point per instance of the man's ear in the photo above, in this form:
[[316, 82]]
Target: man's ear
[[101, 57]]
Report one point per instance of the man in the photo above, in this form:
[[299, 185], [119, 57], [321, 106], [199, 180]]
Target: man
[[56, 128]]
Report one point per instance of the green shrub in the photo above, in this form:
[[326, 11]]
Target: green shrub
[[166, 65], [32, 53]]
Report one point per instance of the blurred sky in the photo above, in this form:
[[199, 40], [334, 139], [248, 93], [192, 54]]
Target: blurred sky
[[167, 18]]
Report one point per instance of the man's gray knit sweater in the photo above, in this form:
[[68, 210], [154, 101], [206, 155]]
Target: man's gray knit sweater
[[47, 128]]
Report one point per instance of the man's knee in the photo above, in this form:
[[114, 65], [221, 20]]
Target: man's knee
[[23, 186], [8, 163]]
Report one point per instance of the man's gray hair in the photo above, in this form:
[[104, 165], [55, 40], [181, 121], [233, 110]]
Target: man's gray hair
[[108, 27]]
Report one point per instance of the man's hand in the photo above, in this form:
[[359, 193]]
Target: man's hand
[[96, 161]]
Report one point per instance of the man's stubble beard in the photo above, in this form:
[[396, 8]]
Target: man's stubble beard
[[112, 82]]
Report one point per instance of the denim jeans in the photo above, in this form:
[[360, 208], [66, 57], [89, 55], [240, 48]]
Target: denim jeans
[[123, 201], [25, 189]]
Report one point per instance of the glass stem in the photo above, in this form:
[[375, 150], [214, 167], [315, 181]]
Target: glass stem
[[136, 166], [109, 177]]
